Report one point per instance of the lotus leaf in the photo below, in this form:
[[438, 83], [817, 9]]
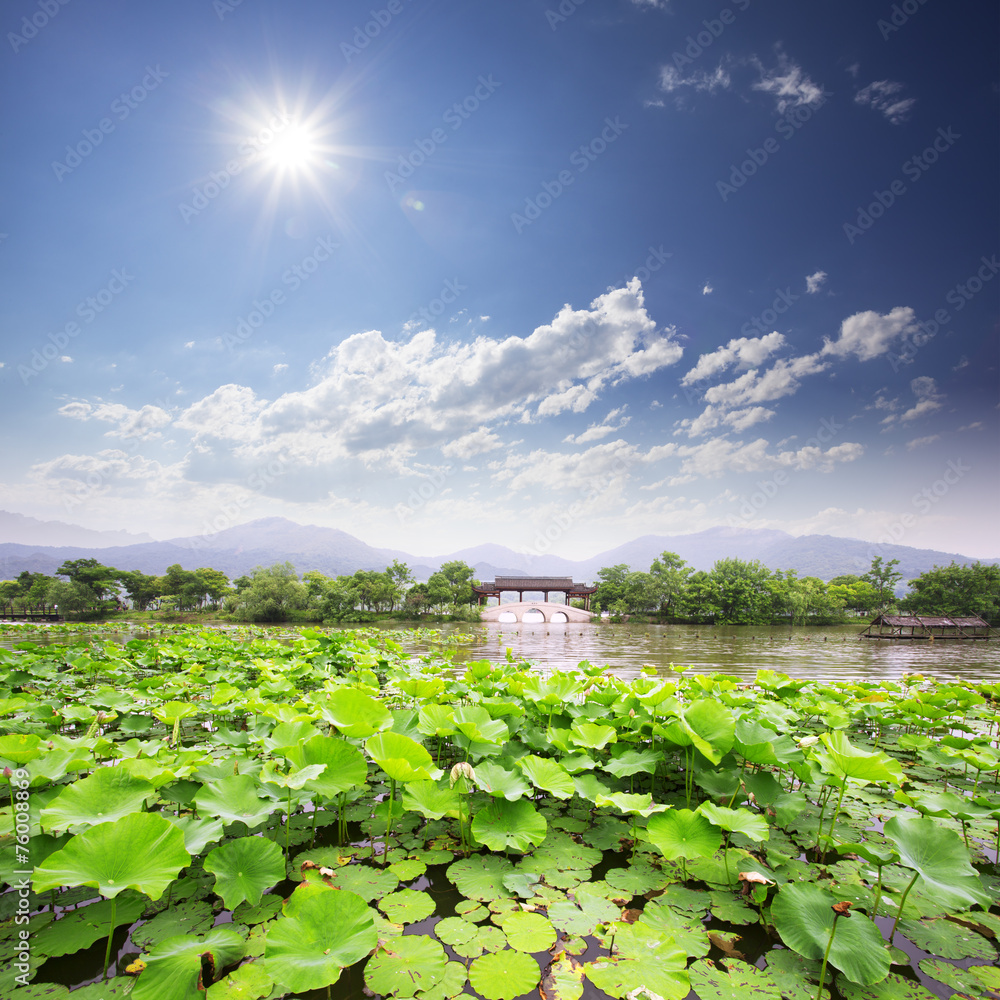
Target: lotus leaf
[[563, 979], [893, 987], [504, 975], [141, 851], [198, 833], [502, 824], [407, 906], [430, 799], [529, 932], [687, 934], [592, 736], [244, 868], [498, 781], [803, 916], [847, 761], [106, 795], [941, 859], [234, 798], [174, 969], [368, 883], [947, 939], [406, 966], [187, 917], [355, 713], [637, 878], [324, 933], [402, 758], [248, 982], [547, 774], [633, 762], [481, 877], [733, 980], [80, 929], [683, 833], [646, 959], [345, 765], [743, 821]]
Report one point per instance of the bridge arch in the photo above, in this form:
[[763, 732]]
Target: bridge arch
[[550, 612]]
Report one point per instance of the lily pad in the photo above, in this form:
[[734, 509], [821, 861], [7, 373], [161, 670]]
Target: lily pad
[[504, 975], [368, 883], [481, 877], [406, 966], [563, 979], [248, 982], [947, 939], [106, 795], [529, 932], [502, 825], [636, 879], [81, 928], [407, 906], [188, 917], [732, 980], [893, 987]]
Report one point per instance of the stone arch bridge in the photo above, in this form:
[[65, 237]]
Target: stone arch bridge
[[554, 614]]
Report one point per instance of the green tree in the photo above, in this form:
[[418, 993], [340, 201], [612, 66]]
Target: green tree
[[612, 585], [214, 584], [440, 591], [956, 590], [70, 596], [272, 593], [140, 588], [101, 579], [670, 572], [884, 579], [460, 577], [739, 592]]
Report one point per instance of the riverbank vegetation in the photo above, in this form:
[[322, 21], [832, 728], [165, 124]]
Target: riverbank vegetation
[[734, 591], [215, 815]]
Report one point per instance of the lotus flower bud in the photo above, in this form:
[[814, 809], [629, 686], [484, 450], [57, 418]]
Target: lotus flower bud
[[463, 770], [8, 773]]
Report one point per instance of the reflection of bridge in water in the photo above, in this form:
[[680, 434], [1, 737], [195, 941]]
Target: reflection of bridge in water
[[537, 612]]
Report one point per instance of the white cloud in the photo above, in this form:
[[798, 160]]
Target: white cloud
[[928, 398], [815, 281], [780, 380], [672, 79], [708, 289], [742, 351], [976, 426], [279, 368], [922, 441], [882, 95], [189, 344], [144, 423], [720, 455], [788, 84], [597, 431], [869, 334], [474, 443]]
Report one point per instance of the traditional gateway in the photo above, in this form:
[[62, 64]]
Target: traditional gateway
[[545, 585], [928, 628]]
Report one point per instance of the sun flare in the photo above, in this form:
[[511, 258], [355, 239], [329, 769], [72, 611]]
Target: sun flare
[[294, 148]]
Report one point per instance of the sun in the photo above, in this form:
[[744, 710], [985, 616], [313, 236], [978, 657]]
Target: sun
[[294, 149]]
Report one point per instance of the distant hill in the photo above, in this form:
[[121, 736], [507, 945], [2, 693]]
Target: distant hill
[[31, 531], [238, 550]]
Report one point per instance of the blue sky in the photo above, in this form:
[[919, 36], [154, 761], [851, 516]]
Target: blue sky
[[548, 274]]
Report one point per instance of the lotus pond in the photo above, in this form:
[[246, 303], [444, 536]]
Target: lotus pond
[[205, 814]]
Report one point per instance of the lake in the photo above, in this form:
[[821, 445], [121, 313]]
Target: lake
[[824, 654]]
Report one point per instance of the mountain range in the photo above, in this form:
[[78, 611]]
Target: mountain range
[[42, 546]]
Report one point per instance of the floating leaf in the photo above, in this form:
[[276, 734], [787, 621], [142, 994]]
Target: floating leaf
[[893, 987], [407, 906], [244, 868], [108, 794], [504, 975], [946, 939], [406, 966], [529, 932], [481, 877]]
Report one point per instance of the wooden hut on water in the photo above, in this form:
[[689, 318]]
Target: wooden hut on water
[[929, 628]]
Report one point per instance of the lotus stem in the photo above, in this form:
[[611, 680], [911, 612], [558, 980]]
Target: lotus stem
[[288, 818], [878, 893], [902, 901], [826, 956], [111, 934]]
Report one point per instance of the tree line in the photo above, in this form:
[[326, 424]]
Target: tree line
[[734, 591]]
